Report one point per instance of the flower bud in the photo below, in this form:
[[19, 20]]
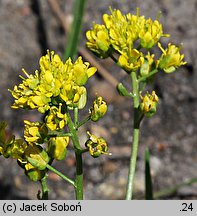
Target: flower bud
[[33, 173], [147, 65], [98, 110], [149, 104], [36, 156], [81, 71], [83, 100], [98, 41], [122, 90], [151, 33]]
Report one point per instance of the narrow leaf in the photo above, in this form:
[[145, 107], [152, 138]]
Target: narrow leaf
[[148, 179]]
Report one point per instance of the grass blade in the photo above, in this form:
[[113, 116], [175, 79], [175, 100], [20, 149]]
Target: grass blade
[[72, 42], [148, 179]]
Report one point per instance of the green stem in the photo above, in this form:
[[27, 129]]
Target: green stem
[[75, 116], [55, 134], [71, 48], [45, 189], [144, 78], [113, 58], [61, 175], [73, 131], [134, 151], [79, 176], [79, 162], [83, 122]]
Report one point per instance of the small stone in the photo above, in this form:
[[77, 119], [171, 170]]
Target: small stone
[[54, 177]]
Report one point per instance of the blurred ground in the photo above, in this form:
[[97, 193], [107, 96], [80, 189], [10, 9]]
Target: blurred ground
[[28, 28]]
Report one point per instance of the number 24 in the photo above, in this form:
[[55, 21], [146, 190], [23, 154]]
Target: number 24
[[187, 207]]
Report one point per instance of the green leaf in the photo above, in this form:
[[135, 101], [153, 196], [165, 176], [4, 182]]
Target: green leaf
[[74, 34], [122, 90], [148, 179]]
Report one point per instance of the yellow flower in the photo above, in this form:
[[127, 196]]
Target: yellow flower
[[96, 146], [74, 96], [116, 23], [150, 33], [98, 40], [81, 72], [148, 104], [171, 58], [57, 147], [135, 24], [98, 110], [56, 120], [50, 62], [131, 61], [35, 132]]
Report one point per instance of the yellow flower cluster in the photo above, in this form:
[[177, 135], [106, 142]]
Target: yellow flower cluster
[[127, 35], [148, 104], [37, 133], [56, 81], [53, 90]]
